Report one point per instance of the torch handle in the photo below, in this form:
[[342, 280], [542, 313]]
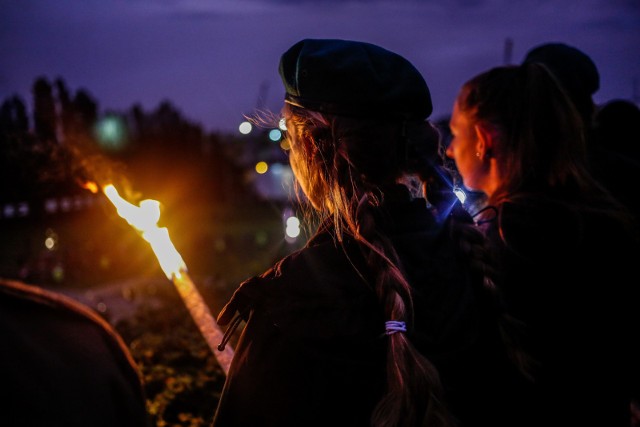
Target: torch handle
[[204, 320]]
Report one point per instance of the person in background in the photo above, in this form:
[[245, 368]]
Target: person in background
[[611, 130], [63, 365], [565, 247], [575, 71], [383, 318], [616, 125]]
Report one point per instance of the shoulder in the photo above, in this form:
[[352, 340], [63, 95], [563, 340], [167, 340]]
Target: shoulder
[[29, 304], [316, 286], [320, 269], [63, 324], [557, 227]]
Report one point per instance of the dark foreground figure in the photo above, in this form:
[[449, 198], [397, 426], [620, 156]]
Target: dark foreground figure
[[63, 365]]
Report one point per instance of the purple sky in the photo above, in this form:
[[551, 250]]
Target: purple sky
[[211, 58]]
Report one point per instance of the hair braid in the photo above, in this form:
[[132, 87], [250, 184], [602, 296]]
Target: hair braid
[[400, 406]]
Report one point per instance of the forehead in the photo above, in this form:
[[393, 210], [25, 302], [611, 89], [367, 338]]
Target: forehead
[[458, 117]]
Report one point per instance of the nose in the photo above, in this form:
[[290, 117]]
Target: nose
[[449, 152]]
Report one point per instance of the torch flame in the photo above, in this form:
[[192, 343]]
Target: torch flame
[[144, 218]]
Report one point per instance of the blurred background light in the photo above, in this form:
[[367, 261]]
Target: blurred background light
[[262, 167], [275, 135], [245, 128]]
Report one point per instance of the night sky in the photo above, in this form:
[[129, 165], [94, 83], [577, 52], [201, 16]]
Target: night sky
[[214, 60]]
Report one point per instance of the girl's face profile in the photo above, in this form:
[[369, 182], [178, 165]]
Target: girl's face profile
[[463, 148]]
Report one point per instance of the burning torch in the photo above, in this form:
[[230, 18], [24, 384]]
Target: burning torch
[[144, 218]]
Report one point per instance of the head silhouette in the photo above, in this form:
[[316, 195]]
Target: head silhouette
[[575, 70]]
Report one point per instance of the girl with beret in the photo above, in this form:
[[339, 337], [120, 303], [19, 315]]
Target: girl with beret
[[385, 317], [565, 247]]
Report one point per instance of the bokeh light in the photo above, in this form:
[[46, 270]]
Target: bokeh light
[[245, 128], [262, 167], [275, 135], [292, 229], [111, 132], [51, 240]]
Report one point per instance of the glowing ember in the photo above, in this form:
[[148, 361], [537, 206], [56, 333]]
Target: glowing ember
[[91, 186], [144, 218]]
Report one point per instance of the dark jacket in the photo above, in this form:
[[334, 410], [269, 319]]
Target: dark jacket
[[568, 275], [313, 350], [63, 365]]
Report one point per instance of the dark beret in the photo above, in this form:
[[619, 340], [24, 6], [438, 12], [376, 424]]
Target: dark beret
[[571, 66], [353, 78]]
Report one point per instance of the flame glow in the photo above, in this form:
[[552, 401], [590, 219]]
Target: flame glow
[[144, 218]]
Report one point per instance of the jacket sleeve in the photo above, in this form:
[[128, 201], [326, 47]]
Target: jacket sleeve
[[267, 366]]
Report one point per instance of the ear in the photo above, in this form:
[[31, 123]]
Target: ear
[[485, 140]]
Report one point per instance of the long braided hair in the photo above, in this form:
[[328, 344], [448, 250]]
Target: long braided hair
[[344, 166]]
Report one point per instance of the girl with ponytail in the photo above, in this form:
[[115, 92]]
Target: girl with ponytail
[[383, 318], [564, 246]]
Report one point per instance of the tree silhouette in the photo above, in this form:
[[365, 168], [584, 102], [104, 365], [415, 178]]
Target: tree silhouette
[[44, 111], [15, 141]]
